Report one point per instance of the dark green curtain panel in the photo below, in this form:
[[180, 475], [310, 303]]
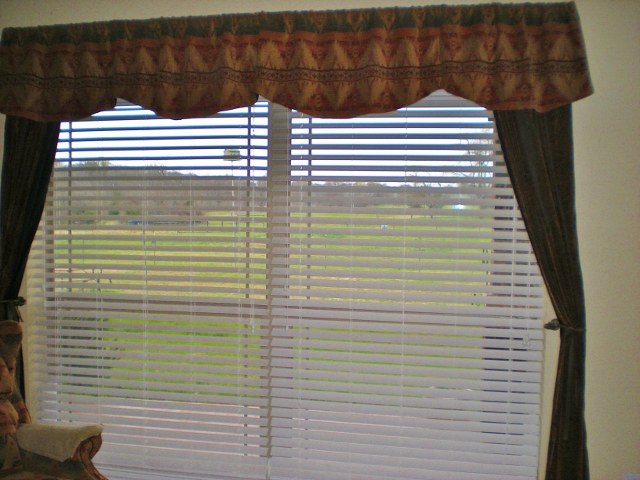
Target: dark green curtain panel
[[29, 152], [538, 149]]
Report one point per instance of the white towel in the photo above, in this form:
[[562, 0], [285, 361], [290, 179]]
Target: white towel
[[55, 441]]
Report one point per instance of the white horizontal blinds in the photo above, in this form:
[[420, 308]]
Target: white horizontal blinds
[[152, 262], [264, 295], [406, 302]]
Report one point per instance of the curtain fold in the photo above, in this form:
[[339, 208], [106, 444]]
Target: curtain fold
[[325, 63], [538, 150], [29, 152]]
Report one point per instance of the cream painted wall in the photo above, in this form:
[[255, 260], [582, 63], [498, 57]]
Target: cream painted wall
[[607, 148]]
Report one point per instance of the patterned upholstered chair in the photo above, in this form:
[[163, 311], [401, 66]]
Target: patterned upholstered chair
[[31, 451]]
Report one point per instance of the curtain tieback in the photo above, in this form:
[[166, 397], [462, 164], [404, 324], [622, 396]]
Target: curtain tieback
[[556, 325], [16, 302]]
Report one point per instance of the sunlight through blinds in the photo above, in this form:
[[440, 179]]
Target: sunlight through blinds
[[152, 258], [406, 303], [261, 294]]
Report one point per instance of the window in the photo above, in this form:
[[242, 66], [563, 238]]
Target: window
[[262, 295]]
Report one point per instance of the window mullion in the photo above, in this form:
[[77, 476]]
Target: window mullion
[[278, 182]]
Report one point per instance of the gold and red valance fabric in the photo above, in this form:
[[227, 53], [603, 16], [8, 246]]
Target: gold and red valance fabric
[[331, 63]]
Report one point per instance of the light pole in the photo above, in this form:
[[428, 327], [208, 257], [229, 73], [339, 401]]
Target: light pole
[[232, 155]]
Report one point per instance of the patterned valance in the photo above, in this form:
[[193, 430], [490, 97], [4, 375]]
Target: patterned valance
[[332, 63]]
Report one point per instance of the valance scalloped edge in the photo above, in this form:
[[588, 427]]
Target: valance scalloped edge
[[324, 63]]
